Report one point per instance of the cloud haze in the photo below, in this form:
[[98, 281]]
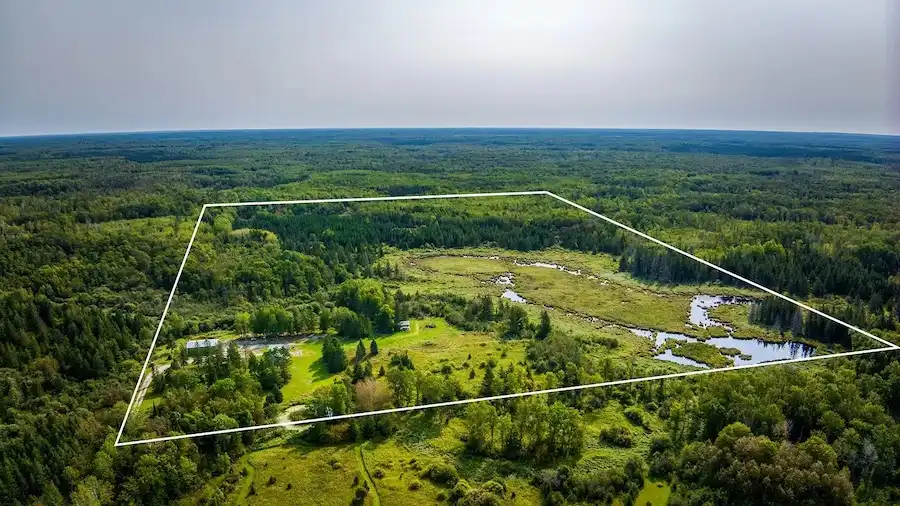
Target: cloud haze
[[108, 65]]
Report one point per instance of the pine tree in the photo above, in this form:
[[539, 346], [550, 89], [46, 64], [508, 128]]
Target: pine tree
[[373, 348], [487, 383], [544, 329], [360, 351]]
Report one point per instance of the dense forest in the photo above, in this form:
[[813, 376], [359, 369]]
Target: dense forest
[[93, 229]]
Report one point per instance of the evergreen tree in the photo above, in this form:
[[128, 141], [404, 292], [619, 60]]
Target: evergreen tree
[[487, 383], [333, 355], [373, 348], [544, 329], [360, 351]]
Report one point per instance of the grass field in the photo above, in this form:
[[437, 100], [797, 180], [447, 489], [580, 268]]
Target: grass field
[[430, 348], [302, 474], [654, 493], [597, 291]]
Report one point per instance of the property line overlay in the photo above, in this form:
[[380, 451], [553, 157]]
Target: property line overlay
[[889, 346]]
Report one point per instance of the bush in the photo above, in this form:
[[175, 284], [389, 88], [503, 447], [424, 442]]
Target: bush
[[660, 444], [617, 436], [441, 496], [359, 496], [635, 416], [378, 473], [494, 488], [441, 473], [479, 497], [415, 485], [460, 490]]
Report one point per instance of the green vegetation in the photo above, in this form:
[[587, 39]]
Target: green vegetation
[[307, 301], [700, 352]]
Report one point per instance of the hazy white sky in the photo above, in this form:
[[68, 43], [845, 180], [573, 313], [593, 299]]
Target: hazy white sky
[[113, 65]]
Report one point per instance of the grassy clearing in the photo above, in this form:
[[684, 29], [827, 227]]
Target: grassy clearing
[[654, 493], [599, 265], [598, 292], [325, 475], [431, 343], [302, 476], [599, 454], [701, 352]]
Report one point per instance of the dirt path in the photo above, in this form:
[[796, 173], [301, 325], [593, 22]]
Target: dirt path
[[373, 492], [148, 379], [285, 417]]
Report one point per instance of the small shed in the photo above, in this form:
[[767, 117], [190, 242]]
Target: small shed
[[404, 325], [200, 346]]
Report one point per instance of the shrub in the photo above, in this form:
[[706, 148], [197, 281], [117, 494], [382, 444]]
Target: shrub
[[441, 473], [494, 488], [378, 473], [460, 490], [660, 444], [634, 415], [617, 436], [441, 496], [415, 485], [479, 497]]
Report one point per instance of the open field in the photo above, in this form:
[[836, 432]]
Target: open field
[[583, 293], [429, 348]]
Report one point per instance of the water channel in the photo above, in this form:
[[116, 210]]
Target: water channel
[[752, 351]]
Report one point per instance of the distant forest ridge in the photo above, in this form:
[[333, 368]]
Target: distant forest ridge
[[146, 147]]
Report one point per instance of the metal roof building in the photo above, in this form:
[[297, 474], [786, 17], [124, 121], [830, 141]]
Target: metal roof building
[[201, 343]]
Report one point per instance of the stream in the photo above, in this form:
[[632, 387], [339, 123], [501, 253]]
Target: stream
[[753, 350]]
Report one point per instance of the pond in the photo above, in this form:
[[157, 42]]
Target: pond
[[753, 351], [513, 296], [548, 266]]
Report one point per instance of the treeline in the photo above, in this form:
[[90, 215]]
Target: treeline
[[86, 341], [223, 389], [528, 427], [801, 269], [64, 383], [799, 264], [342, 237], [798, 435]]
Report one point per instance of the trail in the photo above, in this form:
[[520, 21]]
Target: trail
[[285, 418], [148, 379], [373, 492]]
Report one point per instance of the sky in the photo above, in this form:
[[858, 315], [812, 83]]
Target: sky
[[73, 66]]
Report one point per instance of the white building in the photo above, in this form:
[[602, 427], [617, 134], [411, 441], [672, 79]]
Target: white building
[[200, 346]]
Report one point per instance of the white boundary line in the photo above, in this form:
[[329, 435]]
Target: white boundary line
[[890, 346]]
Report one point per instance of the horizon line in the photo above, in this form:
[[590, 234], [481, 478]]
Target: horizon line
[[425, 127]]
